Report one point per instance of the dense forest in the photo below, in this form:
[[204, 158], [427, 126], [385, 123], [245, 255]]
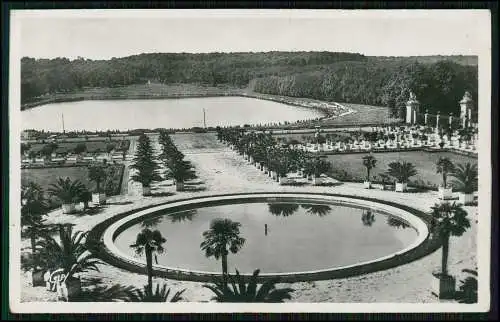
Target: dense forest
[[342, 77], [438, 86]]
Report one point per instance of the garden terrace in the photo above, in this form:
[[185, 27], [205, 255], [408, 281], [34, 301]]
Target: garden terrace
[[225, 172], [90, 146], [48, 175]]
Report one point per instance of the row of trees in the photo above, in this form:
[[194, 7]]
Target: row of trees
[[145, 162], [41, 76], [438, 86], [178, 168], [465, 176], [279, 159]]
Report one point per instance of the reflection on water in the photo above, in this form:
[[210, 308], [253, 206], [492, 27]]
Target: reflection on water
[[368, 218], [182, 216], [320, 210], [283, 209], [174, 217], [299, 236], [151, 222], [396, 222]]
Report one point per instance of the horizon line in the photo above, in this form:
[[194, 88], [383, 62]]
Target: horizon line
[[246, 52]]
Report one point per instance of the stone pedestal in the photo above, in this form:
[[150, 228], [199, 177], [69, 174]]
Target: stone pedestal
[[443, 286]]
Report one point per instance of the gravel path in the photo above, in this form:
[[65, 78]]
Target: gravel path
[[224, 171]]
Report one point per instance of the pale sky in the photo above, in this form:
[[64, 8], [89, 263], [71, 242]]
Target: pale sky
[[102, 34]]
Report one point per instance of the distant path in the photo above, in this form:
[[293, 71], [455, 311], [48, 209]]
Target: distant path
[[323, 129], [127, 163]]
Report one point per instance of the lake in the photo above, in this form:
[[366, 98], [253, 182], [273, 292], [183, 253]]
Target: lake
[[161, 113]]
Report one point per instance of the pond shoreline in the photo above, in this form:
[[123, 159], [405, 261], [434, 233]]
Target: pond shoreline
[[328, 109]]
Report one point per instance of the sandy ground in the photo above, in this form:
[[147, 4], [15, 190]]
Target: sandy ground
[[222, 170]]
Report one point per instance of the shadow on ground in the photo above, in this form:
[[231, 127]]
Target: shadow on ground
[[417, 190], [161, 194], [119, 203], [329, 184], [195, 183], [92, 211], [194, 189]]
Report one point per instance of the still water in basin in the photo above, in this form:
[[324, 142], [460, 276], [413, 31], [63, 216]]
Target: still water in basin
[[161, 113], [300, 237]]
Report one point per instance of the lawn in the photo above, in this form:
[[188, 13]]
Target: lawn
[[190, 141], [425, 163], [47, 176], [365, 114], [92, 146]]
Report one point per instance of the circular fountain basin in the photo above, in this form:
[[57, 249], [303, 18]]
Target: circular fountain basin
[[308, 236]]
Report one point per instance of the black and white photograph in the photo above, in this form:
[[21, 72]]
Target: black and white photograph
[[249, 160]]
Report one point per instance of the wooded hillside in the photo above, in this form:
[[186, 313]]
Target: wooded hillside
[[344, 77]]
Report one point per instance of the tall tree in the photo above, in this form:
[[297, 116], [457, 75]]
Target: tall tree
[[144, 162], [222, 237], [33, 208], [97, 173], [451, 221], [369, 162], [444, 166], [149, 242]]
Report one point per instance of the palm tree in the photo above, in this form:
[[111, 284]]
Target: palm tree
[[85, 197], [384, 180], [151, 222], [444, 166], [368, 218], [369, 162], [182, 215], [159, 295], [239, 291], [320, 210], [401, 171], [68, 192], [98, 174], [394, 221], [466, 181], [451, 220], [33, 208], [223, 234], [113, 293], [149, 242], [468, 289], [283, 209], [71, 254], [317, 167]]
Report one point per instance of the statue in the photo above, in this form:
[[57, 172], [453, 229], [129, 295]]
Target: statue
[[412, 96], [467, 97]]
